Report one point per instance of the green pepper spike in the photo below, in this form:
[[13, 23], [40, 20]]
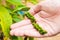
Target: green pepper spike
[[36, 26]]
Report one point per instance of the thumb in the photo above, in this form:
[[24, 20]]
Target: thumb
[[35, 9], [44, 14], [46, 6]]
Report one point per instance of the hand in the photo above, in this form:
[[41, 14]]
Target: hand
[[47, 15]]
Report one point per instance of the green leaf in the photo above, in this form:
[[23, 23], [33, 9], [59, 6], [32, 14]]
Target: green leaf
[[31, 38], [16, 38], [6, 20], [20, 38], [16, 18], [0, 2], [13, 38], [0, 27], [15, 2], [33, 1], [19, 8]]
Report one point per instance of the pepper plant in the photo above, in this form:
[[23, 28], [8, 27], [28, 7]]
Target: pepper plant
[[12, 11]]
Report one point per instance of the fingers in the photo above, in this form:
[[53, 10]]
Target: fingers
[[21, 23], [17, 32], [24, 22], [29, 30], [21, 29], [44, 14], [46, 6]]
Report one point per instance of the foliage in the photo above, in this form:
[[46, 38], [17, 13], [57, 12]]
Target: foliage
[[11, 12], [33, 1], [5, 16]]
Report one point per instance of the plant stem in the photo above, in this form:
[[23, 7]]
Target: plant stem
[[31, 38], [25, 38]]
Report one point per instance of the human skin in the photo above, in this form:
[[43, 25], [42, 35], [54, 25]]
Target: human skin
[[47, 15]]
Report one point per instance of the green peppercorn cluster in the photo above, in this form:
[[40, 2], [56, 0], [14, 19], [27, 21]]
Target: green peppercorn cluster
[[33, 21]]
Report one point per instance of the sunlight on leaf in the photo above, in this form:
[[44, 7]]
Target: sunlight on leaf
[[15, 2], [6, 20]]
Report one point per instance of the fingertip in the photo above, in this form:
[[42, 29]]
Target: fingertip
[[20, 24], [19, 32], [31, 11], [11, 26], [35, 9], [14, 25], [12, 32]]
